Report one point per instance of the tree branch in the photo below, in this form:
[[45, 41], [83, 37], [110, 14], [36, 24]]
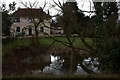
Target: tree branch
[[64, 43]]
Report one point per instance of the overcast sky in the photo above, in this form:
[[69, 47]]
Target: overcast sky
[[82, 4]]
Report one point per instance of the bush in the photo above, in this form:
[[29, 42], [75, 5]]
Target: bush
[[8, 40], [110, 63]]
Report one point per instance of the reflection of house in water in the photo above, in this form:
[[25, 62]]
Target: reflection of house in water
[[41, 60]]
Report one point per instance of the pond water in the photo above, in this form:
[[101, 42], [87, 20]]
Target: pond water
[[56, 66]]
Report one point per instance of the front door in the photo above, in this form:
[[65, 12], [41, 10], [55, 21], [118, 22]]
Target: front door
[[30, 31]]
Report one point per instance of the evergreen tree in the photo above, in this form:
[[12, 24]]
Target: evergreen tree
[[106, 41], [111, 47], [6, 20], [6, 23], [110, 18]]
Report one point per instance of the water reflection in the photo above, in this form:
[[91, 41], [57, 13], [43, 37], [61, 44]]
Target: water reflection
[[80, 71], [59, 66], [91, 64], [55, 66]]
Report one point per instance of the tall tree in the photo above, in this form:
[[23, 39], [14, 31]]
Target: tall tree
[[111, 38], [6, 20], [6, 24], [72, 21]]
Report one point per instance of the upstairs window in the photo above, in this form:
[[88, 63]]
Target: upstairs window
[[29, 20], [17, 29], [17, 19], [56, 28], [41, 29]]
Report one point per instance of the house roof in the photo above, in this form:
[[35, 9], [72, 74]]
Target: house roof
[[26, 12], [55, 24]]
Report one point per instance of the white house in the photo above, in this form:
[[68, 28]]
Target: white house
[[24, 22]]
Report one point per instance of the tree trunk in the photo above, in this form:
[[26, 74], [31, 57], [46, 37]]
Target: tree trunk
[[77, 55], [36, 35], [71, 63]]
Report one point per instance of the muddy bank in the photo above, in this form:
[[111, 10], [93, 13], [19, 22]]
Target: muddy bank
[[62, 50], [13, 61]]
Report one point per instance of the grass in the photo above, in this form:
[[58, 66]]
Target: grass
[[43, 40], [9, 45], [100, 76]]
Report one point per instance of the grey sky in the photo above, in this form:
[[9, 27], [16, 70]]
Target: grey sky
[[82, 4]]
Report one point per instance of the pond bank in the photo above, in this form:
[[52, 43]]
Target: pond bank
[[17, 60]]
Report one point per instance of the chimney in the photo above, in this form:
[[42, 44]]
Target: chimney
[[18, 7], [48, 12]]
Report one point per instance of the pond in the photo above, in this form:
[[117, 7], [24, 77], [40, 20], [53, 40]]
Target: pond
[[56, 65], [53, 63]]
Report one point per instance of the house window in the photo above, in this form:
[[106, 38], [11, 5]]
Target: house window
[[30, 31], [41, 29], [17, 19], [59, 32], [56, 28], [29, 20], [17, 29], [23, 31]]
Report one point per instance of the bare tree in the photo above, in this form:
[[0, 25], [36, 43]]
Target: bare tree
[[69, 23], [37, 18]]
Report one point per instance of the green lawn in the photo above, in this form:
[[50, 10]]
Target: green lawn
[[43, 40]]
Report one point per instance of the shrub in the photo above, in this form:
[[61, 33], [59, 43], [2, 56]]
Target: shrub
[[8, 40], [110, 63]]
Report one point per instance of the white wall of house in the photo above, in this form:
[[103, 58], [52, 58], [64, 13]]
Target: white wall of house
[[57, 31], [24, 23]]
